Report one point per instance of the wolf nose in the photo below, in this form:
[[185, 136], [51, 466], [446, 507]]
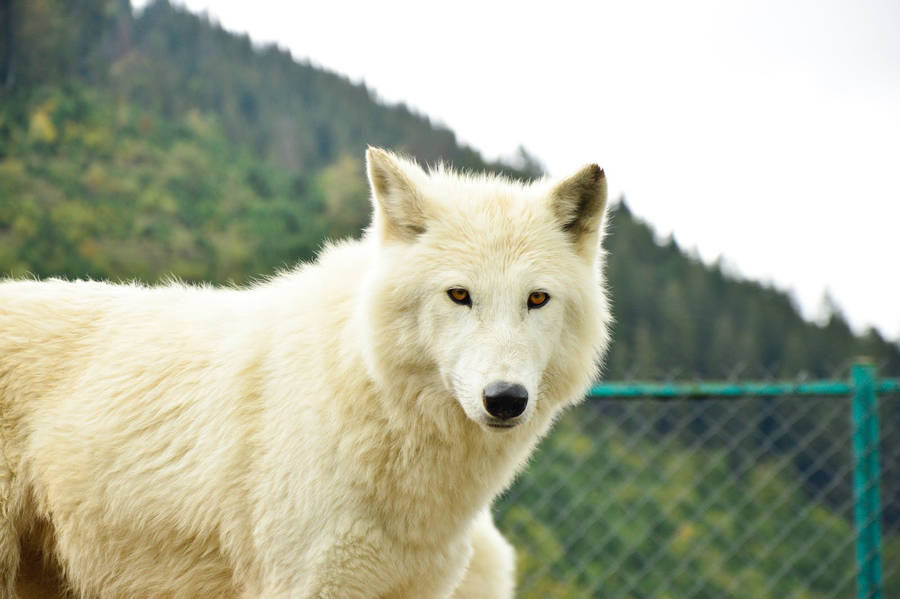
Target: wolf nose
[[505, 400]]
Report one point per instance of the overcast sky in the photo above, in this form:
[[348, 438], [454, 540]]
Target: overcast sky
[[764, 132]]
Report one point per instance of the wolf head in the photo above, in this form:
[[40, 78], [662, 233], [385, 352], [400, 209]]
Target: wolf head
[[484, 289]]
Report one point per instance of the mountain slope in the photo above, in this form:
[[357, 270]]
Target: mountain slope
[[141, 145]]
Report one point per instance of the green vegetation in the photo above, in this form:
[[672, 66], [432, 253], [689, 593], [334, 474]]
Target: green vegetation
[[93, 188], [155, 144]]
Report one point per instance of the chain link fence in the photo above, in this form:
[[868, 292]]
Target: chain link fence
[[744, 497]]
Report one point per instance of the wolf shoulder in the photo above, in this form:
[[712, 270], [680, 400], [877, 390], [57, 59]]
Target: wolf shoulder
[[55, 333]]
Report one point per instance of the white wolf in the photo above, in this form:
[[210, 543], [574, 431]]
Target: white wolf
[[338, 431]]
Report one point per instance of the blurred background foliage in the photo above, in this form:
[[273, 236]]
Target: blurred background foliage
[[142, 145], [139, 145]]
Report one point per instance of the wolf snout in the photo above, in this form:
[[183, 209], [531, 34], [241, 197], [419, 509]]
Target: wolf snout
[[504, 400]]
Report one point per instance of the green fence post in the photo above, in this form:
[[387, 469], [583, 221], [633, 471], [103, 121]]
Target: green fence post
[[867, 501]]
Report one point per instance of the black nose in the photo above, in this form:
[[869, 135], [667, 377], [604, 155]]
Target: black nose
[[505, 400]]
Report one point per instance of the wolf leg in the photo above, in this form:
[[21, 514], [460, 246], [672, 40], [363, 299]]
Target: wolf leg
[[9, 560], [491, 573], [9, 538]]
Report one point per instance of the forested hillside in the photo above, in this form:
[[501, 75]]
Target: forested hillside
[[139, 145]]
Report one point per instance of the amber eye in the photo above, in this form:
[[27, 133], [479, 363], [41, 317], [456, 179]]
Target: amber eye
[[460, 296], [537, 299]]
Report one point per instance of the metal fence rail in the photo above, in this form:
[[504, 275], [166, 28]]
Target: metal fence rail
[[712, 490]]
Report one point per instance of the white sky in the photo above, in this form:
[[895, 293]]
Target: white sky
[[762, 131]]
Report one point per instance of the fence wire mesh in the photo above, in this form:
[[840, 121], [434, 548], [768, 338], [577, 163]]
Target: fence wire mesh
[[709, 498]]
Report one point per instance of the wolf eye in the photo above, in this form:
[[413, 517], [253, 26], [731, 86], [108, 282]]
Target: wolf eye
[[537, 299], [460, 296]]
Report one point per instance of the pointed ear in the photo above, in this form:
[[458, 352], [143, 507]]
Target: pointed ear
[[579, 203], [397, 203]]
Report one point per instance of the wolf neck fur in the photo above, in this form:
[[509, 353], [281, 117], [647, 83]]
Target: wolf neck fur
[[441, 463], [449, 465]]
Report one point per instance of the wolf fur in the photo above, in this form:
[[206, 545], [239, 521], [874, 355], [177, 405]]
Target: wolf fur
[[321, 434]]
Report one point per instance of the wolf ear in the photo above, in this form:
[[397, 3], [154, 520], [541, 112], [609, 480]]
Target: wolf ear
[[578, 203], [397, 203]]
